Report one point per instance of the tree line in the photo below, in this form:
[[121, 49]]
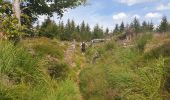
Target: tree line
[[145, 26], [70, 30]]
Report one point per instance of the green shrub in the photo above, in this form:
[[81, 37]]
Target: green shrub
[[163, 51], [110, 45], [58, 70], [15, 60], [19, 72], [142, 40], [47, 49]]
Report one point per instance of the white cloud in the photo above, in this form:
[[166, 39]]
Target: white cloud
[[133, 2], [153, 15], [89, 15], [163, 7], [136, 16], [120, 16]]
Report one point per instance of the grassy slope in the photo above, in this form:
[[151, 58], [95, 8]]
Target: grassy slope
[[25, 74], [121, 73], [127, 73]]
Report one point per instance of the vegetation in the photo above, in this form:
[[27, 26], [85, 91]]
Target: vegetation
[[71, 31], [126, 73], [130, 63]]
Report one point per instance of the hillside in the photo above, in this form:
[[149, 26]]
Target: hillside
[[140, 72], [36, 69], [49, 69]]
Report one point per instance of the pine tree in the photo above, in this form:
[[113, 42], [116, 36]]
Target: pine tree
[[87, 35], [122, 27], [82, 27], [116, 30], [67, 33], [136, 25], [97, 32], [144, 26], [49, 29], [107, 31], [164, 25], [78, 28], [73, 27], [151, 27]]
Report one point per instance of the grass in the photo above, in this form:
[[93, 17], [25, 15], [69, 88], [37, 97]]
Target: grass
[[36, 70], [24, 71], [127, 73]]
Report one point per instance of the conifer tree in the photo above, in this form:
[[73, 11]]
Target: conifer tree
[[164, 25], [136, 25], [116, 30], [122, 27]]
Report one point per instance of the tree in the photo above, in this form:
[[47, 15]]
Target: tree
[[164, 25], [144, 26], [87, 35], [82, 27], [147, 26], [49, 29], [73, 27], [68, 32], [122, 27], [107, 31], [43, 7], [136, 25], [151, 27], [17, 10], [97, 32], [116, 30]]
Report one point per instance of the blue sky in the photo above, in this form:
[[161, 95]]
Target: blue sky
[[107, 13]]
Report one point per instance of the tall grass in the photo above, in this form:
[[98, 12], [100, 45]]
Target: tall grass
[[127, 73], [22, 77], [142, 40]]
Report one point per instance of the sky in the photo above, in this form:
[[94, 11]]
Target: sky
[[107, 13]]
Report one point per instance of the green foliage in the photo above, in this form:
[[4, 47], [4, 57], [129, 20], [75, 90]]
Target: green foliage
[[142, 40], [26, 75], [116, 30], [126, 73], [19, 72], [164, 25], [49, 29], [15, 60], [110, 45], [58, 70], [70, 31], [67, 90], [136, 25], [122, 27], [147, 27], [10, 28], [97, 32]]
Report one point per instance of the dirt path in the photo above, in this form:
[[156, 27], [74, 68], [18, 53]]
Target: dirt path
[[69, 54], [69, 59]]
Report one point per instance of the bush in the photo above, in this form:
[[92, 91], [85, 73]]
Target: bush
[[142, 40], [163, 51], [47, 49], [110, 45], [19, 72], [58, 70], [15, 60]]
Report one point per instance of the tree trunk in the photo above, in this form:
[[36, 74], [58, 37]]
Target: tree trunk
[[17, 10]]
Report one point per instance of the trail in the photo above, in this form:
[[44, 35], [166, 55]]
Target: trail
[[70, 60], [69, 54]]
